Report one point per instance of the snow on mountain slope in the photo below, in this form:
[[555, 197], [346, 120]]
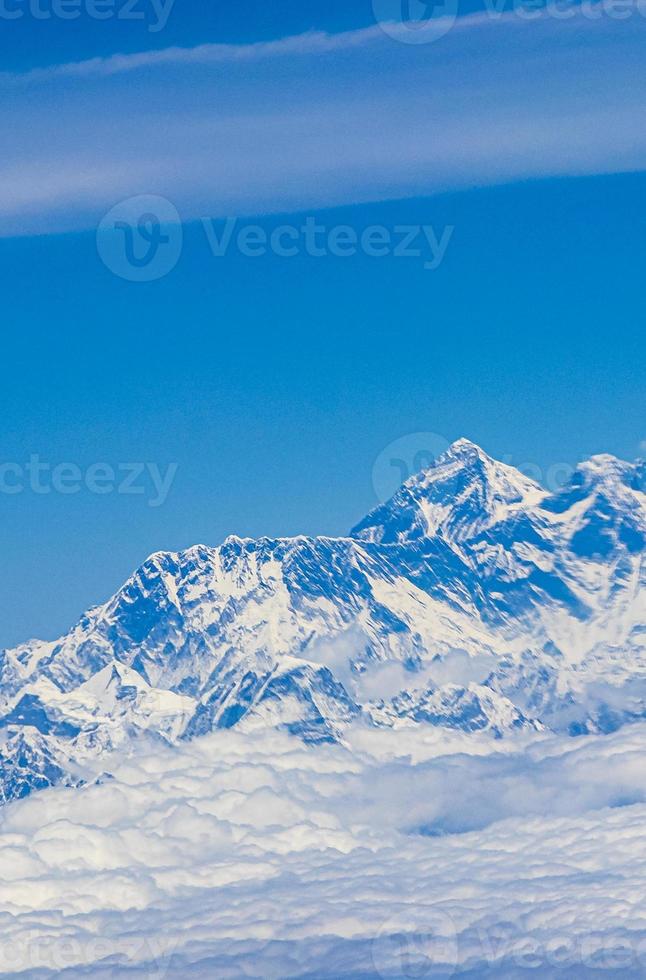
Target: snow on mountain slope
[[473, 599], [471, 709], [463, 494]]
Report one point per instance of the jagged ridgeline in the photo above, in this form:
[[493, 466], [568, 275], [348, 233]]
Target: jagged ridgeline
[[472, 600]]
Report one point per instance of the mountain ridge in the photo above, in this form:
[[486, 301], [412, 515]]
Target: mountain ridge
[[473, 599]]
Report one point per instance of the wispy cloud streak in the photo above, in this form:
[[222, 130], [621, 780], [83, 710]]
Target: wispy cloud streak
[[320, 120], [310, 43]]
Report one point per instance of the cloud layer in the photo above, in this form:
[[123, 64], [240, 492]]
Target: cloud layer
[[320, 120], [400, 855]]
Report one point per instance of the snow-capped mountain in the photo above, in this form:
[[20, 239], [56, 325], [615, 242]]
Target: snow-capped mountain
[[473, 599]]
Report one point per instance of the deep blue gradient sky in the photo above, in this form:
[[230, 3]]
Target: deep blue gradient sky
[[274, 383]]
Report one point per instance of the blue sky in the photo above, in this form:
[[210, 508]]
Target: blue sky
[[274, 383]]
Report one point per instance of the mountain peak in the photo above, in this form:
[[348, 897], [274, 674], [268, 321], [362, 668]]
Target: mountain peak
[[602, 477], [465, 449], [463, 492], [605, 468], [487, 602]]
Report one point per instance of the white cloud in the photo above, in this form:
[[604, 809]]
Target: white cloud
[[313, 42], [259, 857], [309, 43], [317, 121]]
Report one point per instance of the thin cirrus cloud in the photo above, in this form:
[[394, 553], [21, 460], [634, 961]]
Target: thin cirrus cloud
[[321, 120], [310, 43]]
